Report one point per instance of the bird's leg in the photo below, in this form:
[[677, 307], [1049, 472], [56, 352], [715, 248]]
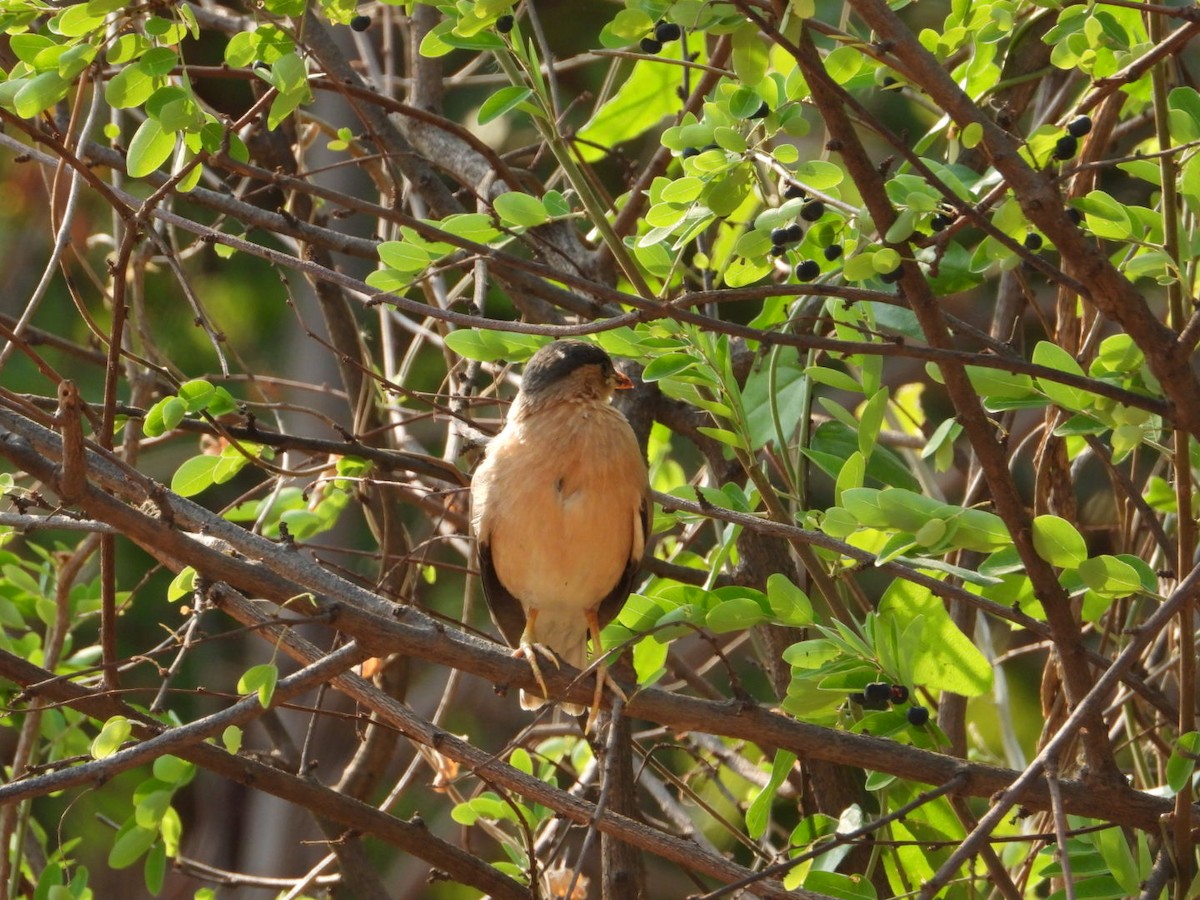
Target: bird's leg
[[602, 676], [529, 649]]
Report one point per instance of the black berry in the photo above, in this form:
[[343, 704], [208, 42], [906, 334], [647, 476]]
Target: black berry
[[1033, 241], [917, 715], [807, 271], [890, 277], [1079, 127], [940, 221], [689, 151], [1074, 215], [650, 45], [833, 251], [665, 32], [1065, 147], [878, 690], [504, 24], [858, 698], [795, 232], [779, 236], [793, 192], [812, 210], [778, 250], [360, 23], [899, 693], [762, 112]]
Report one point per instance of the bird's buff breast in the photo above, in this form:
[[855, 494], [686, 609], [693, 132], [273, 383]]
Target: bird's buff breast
[[570, 522]]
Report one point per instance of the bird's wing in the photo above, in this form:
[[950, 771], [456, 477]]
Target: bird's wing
[[506, 610], [612, 603]]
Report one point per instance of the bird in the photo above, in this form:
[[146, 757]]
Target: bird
[[560, 509]]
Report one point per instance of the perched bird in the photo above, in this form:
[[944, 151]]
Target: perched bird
[[560, 507]]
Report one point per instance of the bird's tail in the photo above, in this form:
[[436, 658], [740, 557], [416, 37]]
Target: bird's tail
[[533, 701]]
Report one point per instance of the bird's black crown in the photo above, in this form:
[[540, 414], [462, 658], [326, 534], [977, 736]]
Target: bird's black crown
[[556, 361]]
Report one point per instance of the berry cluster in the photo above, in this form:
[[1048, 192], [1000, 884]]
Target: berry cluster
[[781, 238], [944, 217], [879, 695], [1066, 145], [664, 33]]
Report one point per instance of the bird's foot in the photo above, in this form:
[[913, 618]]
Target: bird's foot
[[603, 679], [530, 653]]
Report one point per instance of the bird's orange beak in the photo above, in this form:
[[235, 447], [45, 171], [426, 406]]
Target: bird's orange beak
[[622, 382]]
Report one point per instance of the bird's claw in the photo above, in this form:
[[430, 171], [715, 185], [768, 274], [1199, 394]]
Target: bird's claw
[[530, 653], [602, 679]]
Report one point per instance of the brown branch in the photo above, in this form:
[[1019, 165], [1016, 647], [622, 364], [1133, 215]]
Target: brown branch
[[980, 430], [285, 576], [410, 838], [1106, 288]]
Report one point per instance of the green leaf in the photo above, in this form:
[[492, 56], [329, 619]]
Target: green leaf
[[859, 268], [834, 378], [851, 476], [194, 475], [631, 24], [489, 346], [749, 54], [649, 658], [835, 884], [1119, 858], [260, 679], [833, 443], [173, 770], [522, 210], [1055, 357], [1183, 115], [725, 436], [907, 510], [163, 416], [818, 175], [682, 190], [1106, 217], [231, 739], [129, 845], [158, 61], [40, 93], [504, 100], [288, 73], [643, 100], [790, 605], [196, 394], [151, 807], [981, 531], [130, 87], [151, 146], [764, 398], [870, 421], [78, 20], [404, 256], [28, 47], [112, 735], [941, 657], [736, 614], [744, 103], [1109, 576], [1056, 541], [155, 870], [1182, 762], [181, 585], [758, 813]]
